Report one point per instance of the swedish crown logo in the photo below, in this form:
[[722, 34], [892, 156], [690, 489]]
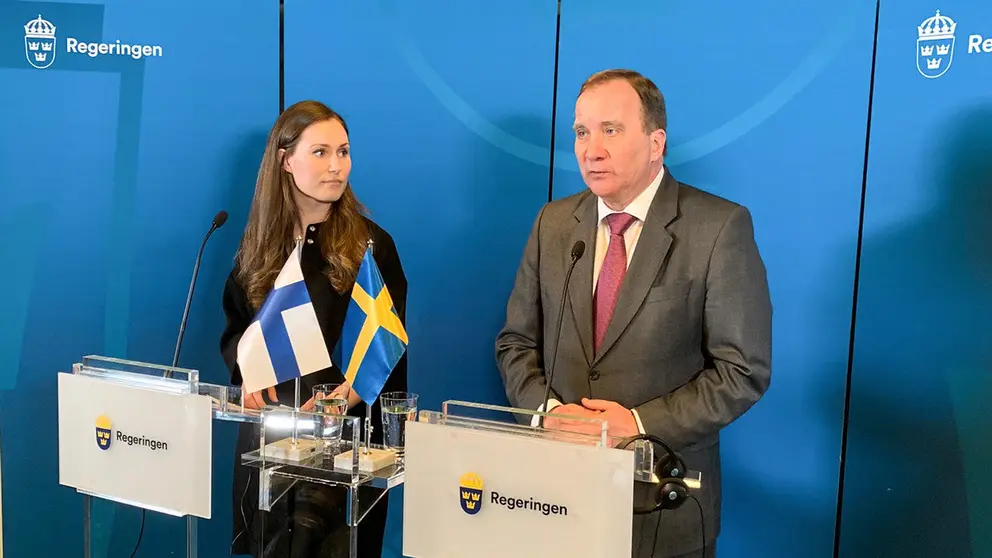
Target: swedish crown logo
[[103, 432], [39, 42], [470, 493], [935, 45]]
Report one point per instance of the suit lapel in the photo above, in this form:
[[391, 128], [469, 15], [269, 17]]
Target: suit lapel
[[651, 251], [580, 284]]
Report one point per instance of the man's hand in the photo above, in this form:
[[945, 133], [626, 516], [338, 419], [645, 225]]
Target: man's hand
[[619, 420], [571, 410]]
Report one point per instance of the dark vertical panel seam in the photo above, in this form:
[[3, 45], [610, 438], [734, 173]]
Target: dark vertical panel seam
[[854, 304], [554, 107], [282, 56]]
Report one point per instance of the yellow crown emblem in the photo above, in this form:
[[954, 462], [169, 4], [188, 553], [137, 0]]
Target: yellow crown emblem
[[103, 432], [470, 493], [471, 480]]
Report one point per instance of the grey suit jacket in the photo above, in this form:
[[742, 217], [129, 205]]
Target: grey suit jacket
[[688, 347]]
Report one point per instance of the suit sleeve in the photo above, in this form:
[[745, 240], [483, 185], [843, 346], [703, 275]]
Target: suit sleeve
[[388, 259], [237, 312], [737, 344], [519, 343]]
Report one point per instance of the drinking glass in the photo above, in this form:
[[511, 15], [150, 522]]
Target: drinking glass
[[398, 407], [330, 400]]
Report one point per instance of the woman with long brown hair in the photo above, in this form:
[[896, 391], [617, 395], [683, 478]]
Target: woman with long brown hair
[[303, 194]]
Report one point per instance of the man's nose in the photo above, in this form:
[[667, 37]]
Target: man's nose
[[595, 150]]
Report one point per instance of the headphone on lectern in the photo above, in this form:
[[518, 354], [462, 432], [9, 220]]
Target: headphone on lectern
[[671, 490]]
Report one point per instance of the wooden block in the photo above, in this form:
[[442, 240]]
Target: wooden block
[[286, 449], [369, 462]]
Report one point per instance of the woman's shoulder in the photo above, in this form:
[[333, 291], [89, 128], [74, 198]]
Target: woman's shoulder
[[386, 253], [379, 235]]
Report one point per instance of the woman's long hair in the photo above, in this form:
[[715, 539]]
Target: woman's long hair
[[274, 217]]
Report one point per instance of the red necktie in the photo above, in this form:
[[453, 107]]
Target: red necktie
[[611, 274]]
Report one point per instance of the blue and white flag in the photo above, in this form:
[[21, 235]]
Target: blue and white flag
[[284, 340]]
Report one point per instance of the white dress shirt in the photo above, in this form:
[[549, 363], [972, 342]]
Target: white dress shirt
[[639, 209]]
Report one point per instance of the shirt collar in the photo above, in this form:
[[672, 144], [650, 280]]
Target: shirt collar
[[641, 204]]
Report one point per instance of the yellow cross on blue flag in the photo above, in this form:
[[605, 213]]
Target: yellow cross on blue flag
[[284, 340], [373, 338]]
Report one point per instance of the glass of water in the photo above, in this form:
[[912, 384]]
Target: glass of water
[[330, 400], [398, 407]]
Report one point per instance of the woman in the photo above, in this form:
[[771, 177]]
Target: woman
[[303, 194]]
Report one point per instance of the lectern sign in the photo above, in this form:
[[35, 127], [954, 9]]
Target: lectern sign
[[471, 492], [135, 445]]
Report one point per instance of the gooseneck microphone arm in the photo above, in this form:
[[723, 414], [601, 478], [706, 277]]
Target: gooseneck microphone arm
[[577, 250], [218, 222]]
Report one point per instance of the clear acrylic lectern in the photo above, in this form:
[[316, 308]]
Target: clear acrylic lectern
[[124, 423]]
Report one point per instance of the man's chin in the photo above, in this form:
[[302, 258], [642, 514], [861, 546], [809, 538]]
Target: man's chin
[[602, 186]]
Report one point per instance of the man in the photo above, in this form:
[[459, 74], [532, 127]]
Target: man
[[667, 319]]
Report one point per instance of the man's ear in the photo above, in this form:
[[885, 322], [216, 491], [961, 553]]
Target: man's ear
[[285, 161], [658, 141]]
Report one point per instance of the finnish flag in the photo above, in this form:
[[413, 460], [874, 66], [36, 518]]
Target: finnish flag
[[284, 340]]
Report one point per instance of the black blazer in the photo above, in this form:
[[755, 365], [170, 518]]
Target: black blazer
[[330, 307]]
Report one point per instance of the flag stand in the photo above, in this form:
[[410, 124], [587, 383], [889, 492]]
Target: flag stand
[[296, 405], [296, 382], [370, 245], [368, 428]]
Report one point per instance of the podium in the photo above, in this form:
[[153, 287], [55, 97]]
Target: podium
[[140, 434], [482, 482]]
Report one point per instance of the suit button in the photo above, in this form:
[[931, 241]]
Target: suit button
[[594, 375]]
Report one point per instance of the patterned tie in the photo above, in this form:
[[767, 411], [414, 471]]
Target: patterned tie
[[611, 274]]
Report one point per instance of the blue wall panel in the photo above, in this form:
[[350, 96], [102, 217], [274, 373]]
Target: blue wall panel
[[450, 123], [112, 169], [767, 105], [917, 481]]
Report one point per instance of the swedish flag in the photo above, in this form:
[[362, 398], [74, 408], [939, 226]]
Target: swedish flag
[[373, 338]]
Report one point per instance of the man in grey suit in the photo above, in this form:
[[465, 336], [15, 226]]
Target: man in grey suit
[[667, 320]]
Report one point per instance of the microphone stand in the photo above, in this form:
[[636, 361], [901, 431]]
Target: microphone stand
[[218, 221], [577, 249]]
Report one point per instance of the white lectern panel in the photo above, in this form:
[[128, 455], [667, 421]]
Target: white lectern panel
[[135, 445], [492, 494]]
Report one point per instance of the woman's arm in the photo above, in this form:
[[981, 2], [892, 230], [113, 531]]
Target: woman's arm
[[238, 313]]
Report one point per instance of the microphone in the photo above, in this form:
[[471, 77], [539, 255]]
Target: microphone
[[577, 250], [218, 222]]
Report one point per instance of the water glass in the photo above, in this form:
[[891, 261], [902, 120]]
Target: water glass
[[398, 407], [330, 400]]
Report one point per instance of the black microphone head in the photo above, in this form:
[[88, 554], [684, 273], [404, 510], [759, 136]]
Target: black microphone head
[[578, 249], [220, 219]]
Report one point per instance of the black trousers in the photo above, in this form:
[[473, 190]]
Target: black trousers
[[709, 553]]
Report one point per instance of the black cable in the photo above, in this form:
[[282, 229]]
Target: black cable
[[702, 527], [657, 527], [241, 508], [141, 531], [702, 522]]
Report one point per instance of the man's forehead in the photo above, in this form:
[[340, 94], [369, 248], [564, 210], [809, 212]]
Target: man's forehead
[[601, 105], [601, 113]]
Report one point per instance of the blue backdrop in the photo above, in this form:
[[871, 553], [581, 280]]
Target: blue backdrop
[[112, 167], [920, 449]]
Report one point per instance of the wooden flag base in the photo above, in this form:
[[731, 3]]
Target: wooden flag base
[[285, 449], [369, 462]]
